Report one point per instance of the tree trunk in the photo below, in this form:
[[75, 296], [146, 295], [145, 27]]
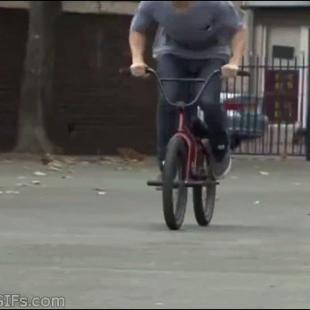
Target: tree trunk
[[36, 91]]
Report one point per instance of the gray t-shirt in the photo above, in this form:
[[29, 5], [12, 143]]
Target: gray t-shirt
[[204, 31]]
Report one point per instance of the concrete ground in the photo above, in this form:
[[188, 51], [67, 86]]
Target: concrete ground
[[98, 238]]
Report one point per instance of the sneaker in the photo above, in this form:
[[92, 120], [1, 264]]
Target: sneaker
[[220, 168]]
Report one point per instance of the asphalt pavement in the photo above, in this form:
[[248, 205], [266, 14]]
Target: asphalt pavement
[[94, 233]]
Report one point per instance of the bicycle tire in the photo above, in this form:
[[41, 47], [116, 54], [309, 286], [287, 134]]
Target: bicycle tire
[[175, 166]]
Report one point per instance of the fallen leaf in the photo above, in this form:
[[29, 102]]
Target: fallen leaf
[[283, 156], [100, 191], [106, 163], [66, 177], [51, 168], [46, 159], [10, 192], [36, 182], [130, 154], [264, 173], [257, 202], [40, 174], [55, 165], [69, 161]]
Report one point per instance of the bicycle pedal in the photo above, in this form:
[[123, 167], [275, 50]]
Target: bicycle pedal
[[155, 183]]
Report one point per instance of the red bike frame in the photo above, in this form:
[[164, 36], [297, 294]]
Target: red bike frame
[[192, 142], [192, 145]]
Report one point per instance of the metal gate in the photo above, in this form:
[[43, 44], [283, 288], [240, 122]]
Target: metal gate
[[278, 90]]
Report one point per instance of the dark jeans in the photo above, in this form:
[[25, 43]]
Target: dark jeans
[[170, 66]]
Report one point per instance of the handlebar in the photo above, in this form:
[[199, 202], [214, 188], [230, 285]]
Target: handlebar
[[160, 81]]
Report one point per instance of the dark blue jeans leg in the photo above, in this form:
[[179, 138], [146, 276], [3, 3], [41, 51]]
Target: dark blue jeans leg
[[214, 112], [170, 66]]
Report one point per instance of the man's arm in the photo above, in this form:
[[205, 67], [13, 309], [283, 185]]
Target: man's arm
[[141, 22], [233, 20], [238, 47], [137, 42]]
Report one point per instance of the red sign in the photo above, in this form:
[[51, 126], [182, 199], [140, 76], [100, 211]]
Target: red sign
[[281, 95]]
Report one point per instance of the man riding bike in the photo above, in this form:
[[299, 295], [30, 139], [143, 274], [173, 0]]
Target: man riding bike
[[193, 39]]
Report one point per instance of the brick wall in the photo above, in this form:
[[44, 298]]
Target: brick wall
[[95, 109]]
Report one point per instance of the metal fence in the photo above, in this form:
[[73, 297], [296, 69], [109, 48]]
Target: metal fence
[[277, 90]]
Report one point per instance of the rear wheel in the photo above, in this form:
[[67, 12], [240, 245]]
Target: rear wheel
[[174, 189], [204, 200]]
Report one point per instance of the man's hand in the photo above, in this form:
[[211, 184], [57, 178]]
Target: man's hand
[[230, 70], [138, 69]]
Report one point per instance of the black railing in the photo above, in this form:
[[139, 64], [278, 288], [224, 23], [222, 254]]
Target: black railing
[[269, 108]]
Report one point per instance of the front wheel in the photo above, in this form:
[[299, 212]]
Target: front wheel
[[174, 189]]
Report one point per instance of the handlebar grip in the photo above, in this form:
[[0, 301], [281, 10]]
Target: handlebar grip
[[149, 70], [127, 71]]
